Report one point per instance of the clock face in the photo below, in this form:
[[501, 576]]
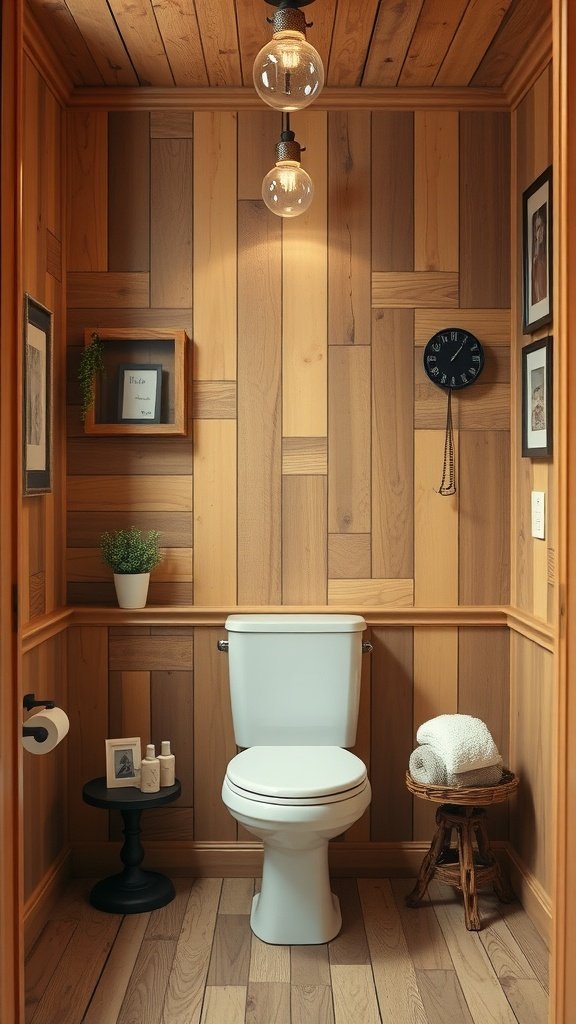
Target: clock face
[[453, 358]]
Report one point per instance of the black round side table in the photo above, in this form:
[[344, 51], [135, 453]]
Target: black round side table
[[134, 890]]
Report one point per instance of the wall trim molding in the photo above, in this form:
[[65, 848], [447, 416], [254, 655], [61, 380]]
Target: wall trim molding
[[535, 900], [45, 58], [532, 628], [40, 630], [244, 859], [481, 615], [245, 98], [537, 55]]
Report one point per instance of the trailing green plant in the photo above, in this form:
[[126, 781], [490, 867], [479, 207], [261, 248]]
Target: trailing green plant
[[91, 364], [130, 551]]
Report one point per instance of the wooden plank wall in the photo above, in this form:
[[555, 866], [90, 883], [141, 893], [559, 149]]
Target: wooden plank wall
[[313, 429], [310, 472], [42, 517], [534, 586], [172, 683]]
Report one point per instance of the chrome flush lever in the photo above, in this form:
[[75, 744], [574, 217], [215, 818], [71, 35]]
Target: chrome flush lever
[[222, 645], [367, 647]]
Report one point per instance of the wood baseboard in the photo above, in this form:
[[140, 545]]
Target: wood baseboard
[[230, 860], [233, 860], [39, 905], [536, 901]]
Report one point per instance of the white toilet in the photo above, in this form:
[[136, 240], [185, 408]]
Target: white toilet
[[295, 689]]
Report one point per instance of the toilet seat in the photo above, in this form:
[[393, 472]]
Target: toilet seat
[[296, 776]]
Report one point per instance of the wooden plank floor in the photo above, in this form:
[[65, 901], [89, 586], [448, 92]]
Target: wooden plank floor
[[197, 962]]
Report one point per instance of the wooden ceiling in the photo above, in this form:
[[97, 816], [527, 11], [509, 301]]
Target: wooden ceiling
[[371, 44]]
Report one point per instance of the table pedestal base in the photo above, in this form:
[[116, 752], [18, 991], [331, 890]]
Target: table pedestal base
[[116, 895], [133, 891]]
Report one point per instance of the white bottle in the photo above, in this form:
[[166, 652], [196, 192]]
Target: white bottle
[[167, 765], [150, 771]]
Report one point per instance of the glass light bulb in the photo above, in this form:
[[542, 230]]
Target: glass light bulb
[[287, 189], [288, 72]]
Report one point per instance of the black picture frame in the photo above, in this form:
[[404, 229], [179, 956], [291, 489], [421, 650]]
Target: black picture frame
[[537, 253], [148, 378], [37, 398], [537, 409]]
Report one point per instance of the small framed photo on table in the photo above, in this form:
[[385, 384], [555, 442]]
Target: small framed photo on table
[[537, 399], [139, 393], [123, 758]]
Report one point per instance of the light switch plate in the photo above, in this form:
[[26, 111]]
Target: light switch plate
[[538, 515]]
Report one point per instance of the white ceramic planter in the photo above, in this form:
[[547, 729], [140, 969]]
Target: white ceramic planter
[[132, 589]]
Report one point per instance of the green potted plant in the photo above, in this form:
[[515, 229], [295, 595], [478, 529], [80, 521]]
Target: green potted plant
[[131, 554], [91, 364]]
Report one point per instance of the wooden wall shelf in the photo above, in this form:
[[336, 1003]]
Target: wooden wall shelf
[[139, 347]]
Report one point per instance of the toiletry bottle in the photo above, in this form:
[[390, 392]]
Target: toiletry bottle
[[150, 771], [167, 765]]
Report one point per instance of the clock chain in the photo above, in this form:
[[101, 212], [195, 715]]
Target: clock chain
[[448, 483]]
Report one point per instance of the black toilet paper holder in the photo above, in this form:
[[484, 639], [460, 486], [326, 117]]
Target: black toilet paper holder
[[39, 732]]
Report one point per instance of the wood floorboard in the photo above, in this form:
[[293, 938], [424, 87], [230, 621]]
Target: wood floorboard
[[196, 961]]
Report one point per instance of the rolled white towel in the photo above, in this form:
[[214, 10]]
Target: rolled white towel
[[426, 767], [464, 743], [489, 776]]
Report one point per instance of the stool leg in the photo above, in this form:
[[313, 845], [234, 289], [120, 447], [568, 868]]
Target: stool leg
[[468, 877], [440, 841], [501, 885]]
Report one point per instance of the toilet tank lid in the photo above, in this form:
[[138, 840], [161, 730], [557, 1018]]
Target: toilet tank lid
[[295, 623]]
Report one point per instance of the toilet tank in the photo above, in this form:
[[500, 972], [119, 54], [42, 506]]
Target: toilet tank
[[295, 679]]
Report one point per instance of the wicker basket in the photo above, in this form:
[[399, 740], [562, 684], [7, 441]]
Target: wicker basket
[[470, 796]]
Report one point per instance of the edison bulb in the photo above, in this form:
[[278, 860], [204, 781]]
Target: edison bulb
[[288, 72], [287, 189]]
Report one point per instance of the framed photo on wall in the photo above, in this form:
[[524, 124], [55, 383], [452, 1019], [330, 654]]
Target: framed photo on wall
[[139, 392], [37, 398], [537, 252], [537, 399]]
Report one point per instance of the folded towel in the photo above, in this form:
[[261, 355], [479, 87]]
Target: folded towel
[[426, 767], [464, 743], [489, 776]]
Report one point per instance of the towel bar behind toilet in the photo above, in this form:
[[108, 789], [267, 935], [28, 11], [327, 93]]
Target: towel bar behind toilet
[[471, 864]]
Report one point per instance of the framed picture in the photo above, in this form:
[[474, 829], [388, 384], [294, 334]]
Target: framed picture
[[139, 392], [37, 398], [123, 762], [537, 399], [537, 252]]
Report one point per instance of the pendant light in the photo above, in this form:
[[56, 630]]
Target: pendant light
[[288, 72], [287, 189]]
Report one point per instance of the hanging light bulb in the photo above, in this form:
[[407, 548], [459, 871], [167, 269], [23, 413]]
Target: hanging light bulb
[[287, 189], [288, 72]]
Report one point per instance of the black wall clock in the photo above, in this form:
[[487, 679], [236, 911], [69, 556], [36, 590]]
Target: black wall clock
[[453, 358]]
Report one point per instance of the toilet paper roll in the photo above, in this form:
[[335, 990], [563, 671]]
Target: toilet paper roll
[[56, 721]]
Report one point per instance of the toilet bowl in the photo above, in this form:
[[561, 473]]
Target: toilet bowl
[[295, 799]]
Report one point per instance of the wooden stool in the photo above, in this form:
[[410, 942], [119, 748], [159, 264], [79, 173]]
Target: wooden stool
[[467, 866]]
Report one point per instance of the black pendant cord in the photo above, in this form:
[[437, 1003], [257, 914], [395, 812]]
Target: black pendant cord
[[448, 484]]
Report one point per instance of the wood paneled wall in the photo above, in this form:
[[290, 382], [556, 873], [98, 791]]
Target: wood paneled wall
[[310, 471], [534, 583], [160, 683], [42, 517]]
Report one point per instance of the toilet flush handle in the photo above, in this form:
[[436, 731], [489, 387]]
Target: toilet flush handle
[[222, 645], [367, 647]]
